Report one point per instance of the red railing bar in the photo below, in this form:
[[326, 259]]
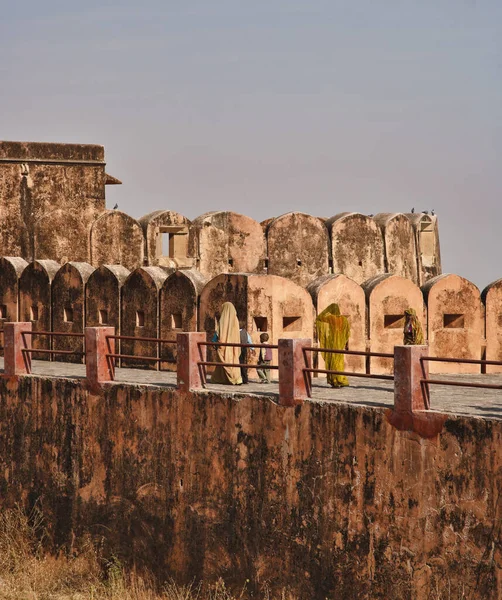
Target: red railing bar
[[351, 374], [140, 339], [53, 333], [214, 364], [487, 386], [137, 357], [271, 346], [356, 352], [469, 361], [44, 351]]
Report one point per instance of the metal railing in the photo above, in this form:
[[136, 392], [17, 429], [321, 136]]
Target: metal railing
[[426, 381], [308, 370], [27, 351], [110, 356], [202, 364]]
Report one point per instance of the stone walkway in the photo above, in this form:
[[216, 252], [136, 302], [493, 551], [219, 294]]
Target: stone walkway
[[366, 392]]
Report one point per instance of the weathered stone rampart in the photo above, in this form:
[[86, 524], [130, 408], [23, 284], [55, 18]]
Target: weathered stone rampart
[[52, 206], [326, 499], [457, 320]]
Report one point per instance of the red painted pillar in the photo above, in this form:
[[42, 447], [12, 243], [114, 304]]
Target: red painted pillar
[[98, 367], [292, 385], [408, 394], [16, 362], [189, 354]]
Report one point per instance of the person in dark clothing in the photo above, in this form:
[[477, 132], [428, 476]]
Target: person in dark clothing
[[243, 357]]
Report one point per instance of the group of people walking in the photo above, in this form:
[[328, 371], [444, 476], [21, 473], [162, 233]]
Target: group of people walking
[[228, 331], [333, 333]]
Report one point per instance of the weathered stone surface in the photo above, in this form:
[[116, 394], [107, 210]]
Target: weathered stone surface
[[298, 247], [427, 244], [388, 296], [103, 296], [179, 302], [117, 239], [51, 193], [326, 499], [140, 314], [492, 299], [169, 224], [357, 246], [400, 245], [11, 269], [454, 322], [68, 308], [35, 301], [351, 299], [226, 242]]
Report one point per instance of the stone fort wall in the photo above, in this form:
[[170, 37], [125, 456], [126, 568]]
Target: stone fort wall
[[52, 207], [326, 499], [157, 301]]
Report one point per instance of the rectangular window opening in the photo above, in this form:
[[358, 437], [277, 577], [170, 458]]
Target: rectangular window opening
[[34, 313], [176, 321], [103, 316], [166, 238], [68, 314], [230, 262], [172, 242], [140, 318], [393, 321], [453, 321], [260, 323], [3, 311], [291, 323], [298, 262], [265, 263]]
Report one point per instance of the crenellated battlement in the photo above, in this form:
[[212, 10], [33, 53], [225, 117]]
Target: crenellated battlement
[[53, 208]]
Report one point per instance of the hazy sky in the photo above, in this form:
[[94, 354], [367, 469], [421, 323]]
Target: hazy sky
[[267, 106]]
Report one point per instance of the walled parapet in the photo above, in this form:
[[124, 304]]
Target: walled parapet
[[264, 303], [117, 238], [454, 322], [426, 233], [491, 297], [400, 245], [357, 246], [179, 302], [351, 299], [166, 236], [298, 247], [388, 296], [140, 313], [226, 242], [11, 269], [10, 272], [68, 308], [35, 300], [103, 288]]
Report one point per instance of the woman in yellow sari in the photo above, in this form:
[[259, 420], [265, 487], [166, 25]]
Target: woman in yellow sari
[[227, 331], [333, 332], [413, 333]]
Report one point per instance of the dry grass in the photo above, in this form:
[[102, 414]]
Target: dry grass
[[28, 573]]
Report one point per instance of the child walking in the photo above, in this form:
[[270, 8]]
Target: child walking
[[264, 359]]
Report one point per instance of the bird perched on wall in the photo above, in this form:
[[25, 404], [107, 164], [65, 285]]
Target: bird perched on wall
[[433, 212], [426, 212], [413, 210], [115, 207]]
